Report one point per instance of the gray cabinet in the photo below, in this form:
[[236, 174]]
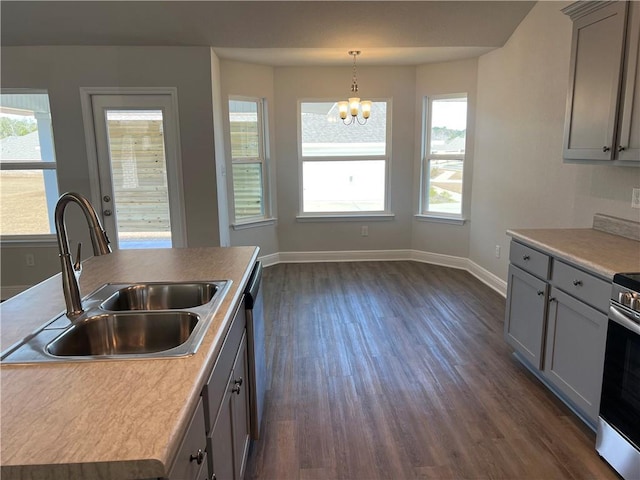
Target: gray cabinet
[[191, 461], [601, 122], [226, 405], [555, 321], [525, 314], [574, 355]]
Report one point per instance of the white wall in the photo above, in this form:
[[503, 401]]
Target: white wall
[[520, 180], [440, 79], [243, 79], [62, 71], [295, 83]]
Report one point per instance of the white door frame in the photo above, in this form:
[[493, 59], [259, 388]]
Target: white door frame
[[174, 169]]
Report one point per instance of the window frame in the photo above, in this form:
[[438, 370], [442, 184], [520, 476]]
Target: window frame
[[423, 210], [41, 165], [263, 159], [344, 216]]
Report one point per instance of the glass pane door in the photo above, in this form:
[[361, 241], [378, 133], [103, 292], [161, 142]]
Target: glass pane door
[[139, 178], [137, 165]]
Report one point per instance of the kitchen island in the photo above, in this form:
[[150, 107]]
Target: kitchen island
[[112, 419]]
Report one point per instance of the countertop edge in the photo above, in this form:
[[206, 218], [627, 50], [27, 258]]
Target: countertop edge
[[529, 237]]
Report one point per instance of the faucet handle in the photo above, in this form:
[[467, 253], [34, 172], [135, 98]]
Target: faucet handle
[[77, 266]]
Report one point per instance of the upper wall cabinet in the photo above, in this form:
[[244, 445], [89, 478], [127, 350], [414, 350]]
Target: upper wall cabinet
[[602, 121]]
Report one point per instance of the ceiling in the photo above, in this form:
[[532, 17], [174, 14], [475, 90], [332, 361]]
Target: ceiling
[[274, 32]]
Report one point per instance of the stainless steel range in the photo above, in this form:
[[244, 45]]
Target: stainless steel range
[[618, 438]]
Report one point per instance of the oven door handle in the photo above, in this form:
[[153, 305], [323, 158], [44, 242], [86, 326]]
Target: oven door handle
[[617, 315]]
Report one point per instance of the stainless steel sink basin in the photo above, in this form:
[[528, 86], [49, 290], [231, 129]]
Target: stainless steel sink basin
[[127, 321], [161, 296], [125, 334]]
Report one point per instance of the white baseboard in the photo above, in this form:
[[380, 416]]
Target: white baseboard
[[488, 278], [461, 263]]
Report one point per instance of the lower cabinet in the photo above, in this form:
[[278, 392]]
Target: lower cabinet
[[555, 322], [574, 355], [226, 405], [228, 442], [216, 444], [191, 462], [524, 325]]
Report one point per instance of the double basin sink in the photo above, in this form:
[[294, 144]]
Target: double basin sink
[[141, 320]]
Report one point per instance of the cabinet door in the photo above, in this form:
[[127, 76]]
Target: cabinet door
[[220, 440], [574, 357], [594, 83], [525, 315], [240, 409], [629, 143]]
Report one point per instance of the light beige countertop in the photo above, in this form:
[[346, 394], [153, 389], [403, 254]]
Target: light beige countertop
[[109, 419], [601, 253]]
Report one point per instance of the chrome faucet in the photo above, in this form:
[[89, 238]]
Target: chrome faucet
[[71, 271]]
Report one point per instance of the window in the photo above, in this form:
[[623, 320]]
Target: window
[[28, 183], [443, 161], [344, 167], [248, 156]]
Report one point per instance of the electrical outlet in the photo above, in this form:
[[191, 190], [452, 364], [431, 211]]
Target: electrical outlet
[[635, 198], [30, 260], [364, 231], [497, 251]]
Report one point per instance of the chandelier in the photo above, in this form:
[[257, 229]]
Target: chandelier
[[354, 105]]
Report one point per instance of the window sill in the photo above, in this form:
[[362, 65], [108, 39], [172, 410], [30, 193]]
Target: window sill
[[441, 219], [350, 217], [29, 240], [263, 222]]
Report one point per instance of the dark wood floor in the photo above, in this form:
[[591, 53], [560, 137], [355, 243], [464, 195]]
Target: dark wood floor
[[399, 370]]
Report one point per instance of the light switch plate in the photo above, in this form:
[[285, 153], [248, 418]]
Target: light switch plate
[[635, 198]]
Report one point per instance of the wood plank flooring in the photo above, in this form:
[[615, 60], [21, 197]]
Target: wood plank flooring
[[399, 370]]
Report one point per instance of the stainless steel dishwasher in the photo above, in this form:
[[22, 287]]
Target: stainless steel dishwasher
[[256, 348]]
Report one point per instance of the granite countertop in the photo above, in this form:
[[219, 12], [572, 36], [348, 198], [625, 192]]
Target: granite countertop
[[601, 253], [112, 419]]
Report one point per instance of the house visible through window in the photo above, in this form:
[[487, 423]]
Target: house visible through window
[[247, 127], [28, 183], [344, 167], [443, 161]]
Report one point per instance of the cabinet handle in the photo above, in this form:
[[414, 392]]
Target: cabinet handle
[[577, 283], [621, 148], [199, 457], [236, 386], [526, 258], [552, 299], [605, 149], [540, 293]]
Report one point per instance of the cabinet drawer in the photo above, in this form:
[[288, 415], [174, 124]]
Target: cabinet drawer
[[583, 286], [530, 260], [191, 455], [215, 388]]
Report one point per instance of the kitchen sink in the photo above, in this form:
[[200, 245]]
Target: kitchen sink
[[127, 321], [125, 334], [161, 296]]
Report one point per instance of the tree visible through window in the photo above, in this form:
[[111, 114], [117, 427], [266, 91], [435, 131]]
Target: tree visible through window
[[344, 167], [28, 183], [443, 162]]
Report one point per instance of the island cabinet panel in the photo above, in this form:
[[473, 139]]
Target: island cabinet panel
[[191, 461], [525, 314], [226, 402], [574, 357]]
